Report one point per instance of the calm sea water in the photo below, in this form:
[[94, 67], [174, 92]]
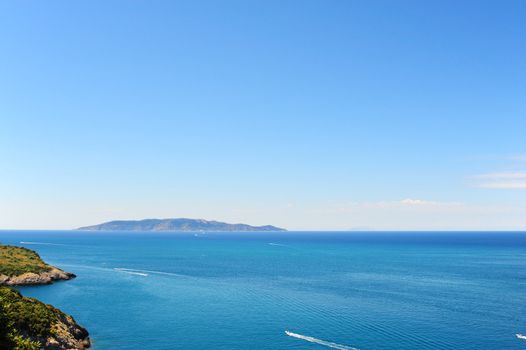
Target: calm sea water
[[242, 291]]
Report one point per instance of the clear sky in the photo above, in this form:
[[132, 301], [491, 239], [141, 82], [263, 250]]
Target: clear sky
[[328, 115]]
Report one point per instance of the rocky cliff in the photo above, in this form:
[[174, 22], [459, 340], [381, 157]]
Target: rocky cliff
[[21, 266], [28, 324]]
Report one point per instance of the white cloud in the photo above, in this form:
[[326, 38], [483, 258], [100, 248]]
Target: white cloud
[[410, 201], [518, 157], [502, 180], [426, 203], [504, 175], [420, 214], [506, 185], [407, 204]]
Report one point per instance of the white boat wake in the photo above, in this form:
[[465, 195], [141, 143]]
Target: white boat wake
[[40, 243], [131, 272], [320, 342], [148, 272], [520, 336]]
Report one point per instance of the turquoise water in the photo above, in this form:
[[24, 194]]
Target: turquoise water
[[241, 291]]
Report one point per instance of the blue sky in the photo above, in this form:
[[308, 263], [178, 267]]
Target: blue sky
[[304, 114]]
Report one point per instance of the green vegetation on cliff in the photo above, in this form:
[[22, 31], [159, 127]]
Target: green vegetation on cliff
[[28, 324], [24, 322], [15, 261]]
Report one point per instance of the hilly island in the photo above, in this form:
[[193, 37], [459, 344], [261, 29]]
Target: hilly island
[[181, 225]]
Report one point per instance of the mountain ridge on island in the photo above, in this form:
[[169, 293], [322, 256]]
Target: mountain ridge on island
[[178, 225]]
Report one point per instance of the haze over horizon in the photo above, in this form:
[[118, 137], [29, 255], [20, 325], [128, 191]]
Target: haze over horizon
[[307, 115]]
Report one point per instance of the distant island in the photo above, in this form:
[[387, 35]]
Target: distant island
[[184, 225]]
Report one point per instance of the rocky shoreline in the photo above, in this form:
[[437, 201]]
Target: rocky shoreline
[[31, 278], [26, 323], [67, 335]]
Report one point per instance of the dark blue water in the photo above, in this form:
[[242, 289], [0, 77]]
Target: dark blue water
[[241, 291]]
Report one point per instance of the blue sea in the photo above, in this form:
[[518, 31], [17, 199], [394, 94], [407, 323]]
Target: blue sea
[[368, 290]]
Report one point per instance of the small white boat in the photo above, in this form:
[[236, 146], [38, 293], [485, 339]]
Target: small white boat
[[520, 336]]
